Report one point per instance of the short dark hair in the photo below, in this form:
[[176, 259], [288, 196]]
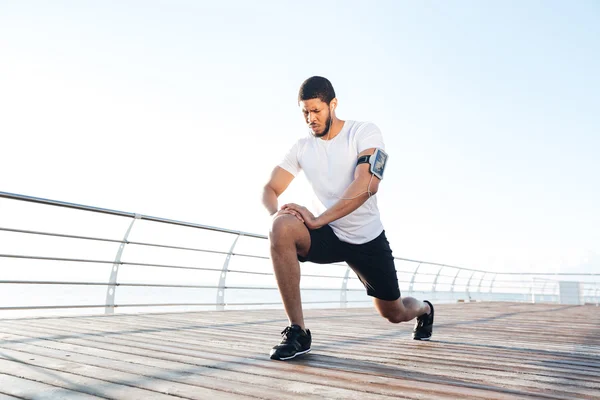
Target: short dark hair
[[316, 87]]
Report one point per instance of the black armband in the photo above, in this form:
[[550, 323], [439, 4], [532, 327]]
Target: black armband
[[363, 160]]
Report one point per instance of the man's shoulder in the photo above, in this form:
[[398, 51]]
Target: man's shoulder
[[304, 140], [300, 143], [362, 127]]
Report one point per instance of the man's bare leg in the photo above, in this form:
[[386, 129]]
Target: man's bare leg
[[289, 237], [401, 310]]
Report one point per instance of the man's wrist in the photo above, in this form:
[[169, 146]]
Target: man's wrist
[[319, 222]]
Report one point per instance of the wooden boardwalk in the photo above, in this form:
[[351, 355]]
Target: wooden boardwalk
[[478, 351]]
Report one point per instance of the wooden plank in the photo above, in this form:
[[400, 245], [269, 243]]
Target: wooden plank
[[71, 379], [487, 364], [7, 397], [400, 383], [223, 333], [479, 350], [27, 389], [495, 376], [249, 373], [114, 378], [186, 381], [357, 381]]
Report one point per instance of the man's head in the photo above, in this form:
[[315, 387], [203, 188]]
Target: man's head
[[317, 101]]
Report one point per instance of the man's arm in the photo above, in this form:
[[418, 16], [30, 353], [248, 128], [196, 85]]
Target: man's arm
[[357, 192], [354, 196], [279, 181]]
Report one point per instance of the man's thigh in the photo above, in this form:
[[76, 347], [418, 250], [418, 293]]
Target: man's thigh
[[374, 265], [325, 247]]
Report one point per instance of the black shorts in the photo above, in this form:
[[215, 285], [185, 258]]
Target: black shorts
[[372, 262]]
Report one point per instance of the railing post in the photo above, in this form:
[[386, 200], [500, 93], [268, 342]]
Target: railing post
[[480, 281], [544, 290], [492, 283], [344, 290], [525, 285], [111, 290], [412, 280], [454, 280], [223, 277], [434, 285], [469, 285], [590, 294], [479, 286]]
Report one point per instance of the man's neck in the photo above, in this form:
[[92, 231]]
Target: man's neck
[[334, 129]]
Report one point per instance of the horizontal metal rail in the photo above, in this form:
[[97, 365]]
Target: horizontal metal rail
[[85, 260], [156, 245], [130, 242], [167, 305], [69, 283], [74, 206]]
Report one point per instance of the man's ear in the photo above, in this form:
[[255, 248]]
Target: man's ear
[[333, 104]]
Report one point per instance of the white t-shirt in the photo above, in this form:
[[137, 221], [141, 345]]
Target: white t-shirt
[[329, 167]]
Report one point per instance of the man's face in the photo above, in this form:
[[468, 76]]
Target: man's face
[[317, 116]]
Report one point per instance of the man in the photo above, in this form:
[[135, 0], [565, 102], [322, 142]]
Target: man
[[335, 158]]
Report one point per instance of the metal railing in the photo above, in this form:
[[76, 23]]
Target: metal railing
[[439, 282]]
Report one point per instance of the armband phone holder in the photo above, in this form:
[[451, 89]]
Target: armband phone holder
[[377, 162]]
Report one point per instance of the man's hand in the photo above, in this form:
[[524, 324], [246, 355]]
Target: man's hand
[[287, 212], [308, 218]]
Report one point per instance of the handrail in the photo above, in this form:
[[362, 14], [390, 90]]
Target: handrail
[[40, 200], [442, 285], [57, 203]]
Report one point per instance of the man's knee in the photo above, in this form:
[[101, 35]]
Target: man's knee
[[394, 318], [285, 228], [394, 313]]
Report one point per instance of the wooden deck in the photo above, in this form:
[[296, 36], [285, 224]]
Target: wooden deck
[[479, 350]]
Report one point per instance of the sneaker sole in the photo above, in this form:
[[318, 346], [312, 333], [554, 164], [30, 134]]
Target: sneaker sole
[[295, 355], [426, 339]]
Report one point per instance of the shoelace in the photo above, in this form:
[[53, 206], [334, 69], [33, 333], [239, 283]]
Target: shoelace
[[286, 333]]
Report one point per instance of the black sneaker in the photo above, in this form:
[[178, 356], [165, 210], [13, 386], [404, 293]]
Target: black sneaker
[[424, 325], [294, 343]]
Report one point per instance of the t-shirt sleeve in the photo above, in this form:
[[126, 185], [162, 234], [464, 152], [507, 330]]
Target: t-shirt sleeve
[[290, 162], [369, 136]]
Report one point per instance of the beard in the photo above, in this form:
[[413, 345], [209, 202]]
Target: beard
[[326, 130]]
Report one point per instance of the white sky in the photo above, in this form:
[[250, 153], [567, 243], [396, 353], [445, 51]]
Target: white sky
[[181, 109]]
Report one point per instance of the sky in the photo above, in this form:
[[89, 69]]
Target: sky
[[181, 109]]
